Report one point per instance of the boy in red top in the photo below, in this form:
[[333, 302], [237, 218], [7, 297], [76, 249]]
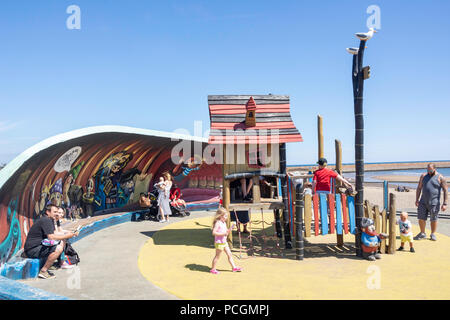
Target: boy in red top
[[322, 178]]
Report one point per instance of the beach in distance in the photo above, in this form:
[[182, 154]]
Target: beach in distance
[[395, 173], [399, 172], [381, 166]]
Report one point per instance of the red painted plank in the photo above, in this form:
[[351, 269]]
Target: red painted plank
[[331, 204], [254, 139], [259, 125], [345, 212], [243, 112], [226, 107], [316, 213]]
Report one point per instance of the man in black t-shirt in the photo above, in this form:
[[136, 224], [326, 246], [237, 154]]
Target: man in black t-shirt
[[44, 228]]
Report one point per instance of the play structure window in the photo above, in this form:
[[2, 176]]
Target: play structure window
[[256, 159], [268, 187], [236, 189]]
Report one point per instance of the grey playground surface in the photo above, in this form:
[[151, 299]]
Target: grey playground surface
[[108, 268]]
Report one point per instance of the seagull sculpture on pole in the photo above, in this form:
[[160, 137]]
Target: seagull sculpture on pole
[[352, 50], [358, 77], [367, 35]]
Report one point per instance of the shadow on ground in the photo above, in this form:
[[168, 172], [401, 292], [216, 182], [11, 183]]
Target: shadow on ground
[[259, 244], [197, 267]]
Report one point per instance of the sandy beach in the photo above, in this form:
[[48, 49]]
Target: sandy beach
[[401, 178], [405, 201], [374, 191], [378, 166]]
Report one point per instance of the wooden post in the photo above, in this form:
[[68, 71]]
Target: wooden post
[[299, 210], [307, 214], [256, 190], [376, 218], [383, 230], [338, 147], [320, 136], [367, 209], [392, 218], [226, 195]]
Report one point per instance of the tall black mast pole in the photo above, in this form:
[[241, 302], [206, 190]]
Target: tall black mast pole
[[358, 89]]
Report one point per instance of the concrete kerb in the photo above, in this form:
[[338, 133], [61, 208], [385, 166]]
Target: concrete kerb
[[13, 290], [23, 268]]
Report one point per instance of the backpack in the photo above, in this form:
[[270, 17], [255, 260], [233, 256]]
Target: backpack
[[71, 255]]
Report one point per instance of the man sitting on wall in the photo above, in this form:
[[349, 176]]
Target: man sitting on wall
[[322, 176], [50, 249]]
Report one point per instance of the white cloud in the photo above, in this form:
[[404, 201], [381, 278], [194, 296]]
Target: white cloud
[[6, 126]]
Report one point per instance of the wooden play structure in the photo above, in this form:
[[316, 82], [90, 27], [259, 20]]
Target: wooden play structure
[[335, 214], [252, 132]]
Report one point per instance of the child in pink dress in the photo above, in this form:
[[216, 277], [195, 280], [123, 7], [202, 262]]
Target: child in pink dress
[[220, 233]]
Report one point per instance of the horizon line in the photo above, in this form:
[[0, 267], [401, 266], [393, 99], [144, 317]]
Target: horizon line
[[352, 163]]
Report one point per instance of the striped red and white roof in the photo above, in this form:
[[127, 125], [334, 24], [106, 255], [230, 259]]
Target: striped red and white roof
[[273, 120]]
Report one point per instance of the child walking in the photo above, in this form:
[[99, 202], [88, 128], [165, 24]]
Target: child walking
[[220, 233], [405, 232]]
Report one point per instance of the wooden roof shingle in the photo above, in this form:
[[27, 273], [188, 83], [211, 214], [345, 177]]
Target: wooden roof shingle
[[273, 120]]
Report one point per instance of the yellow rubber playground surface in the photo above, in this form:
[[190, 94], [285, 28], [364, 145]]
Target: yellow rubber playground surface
[[178, 258]]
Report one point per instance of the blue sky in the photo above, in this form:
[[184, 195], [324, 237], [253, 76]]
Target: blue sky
[[152, 64]]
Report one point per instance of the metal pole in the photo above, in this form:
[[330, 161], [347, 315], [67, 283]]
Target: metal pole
[[299, 210], [358, 89], [278, 231], [286, 224]]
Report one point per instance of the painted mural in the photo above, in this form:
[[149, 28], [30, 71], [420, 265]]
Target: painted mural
[[93, 174]]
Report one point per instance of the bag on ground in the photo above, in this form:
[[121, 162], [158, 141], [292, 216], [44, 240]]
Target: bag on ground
[[71, 255]]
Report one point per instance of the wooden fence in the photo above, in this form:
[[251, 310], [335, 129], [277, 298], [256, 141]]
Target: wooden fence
[[324, 214]]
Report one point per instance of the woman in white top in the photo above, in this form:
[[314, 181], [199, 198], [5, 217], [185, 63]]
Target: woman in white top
[[165, 198], [161, 188]]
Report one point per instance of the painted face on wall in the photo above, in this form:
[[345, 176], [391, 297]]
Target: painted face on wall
[[90, 186], [56, 198], [128, 186], [43, 199], [117, 162], [115, 168], [56, 193]]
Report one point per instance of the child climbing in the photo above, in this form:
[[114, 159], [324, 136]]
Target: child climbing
[[220, 233], [405, 231]]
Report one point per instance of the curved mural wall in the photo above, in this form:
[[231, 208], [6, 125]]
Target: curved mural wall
[[96, 169]]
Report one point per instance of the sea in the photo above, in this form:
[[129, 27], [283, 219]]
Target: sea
[[369, 175]]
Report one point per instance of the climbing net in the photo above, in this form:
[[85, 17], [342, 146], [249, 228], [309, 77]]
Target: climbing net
[[258, 245]]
